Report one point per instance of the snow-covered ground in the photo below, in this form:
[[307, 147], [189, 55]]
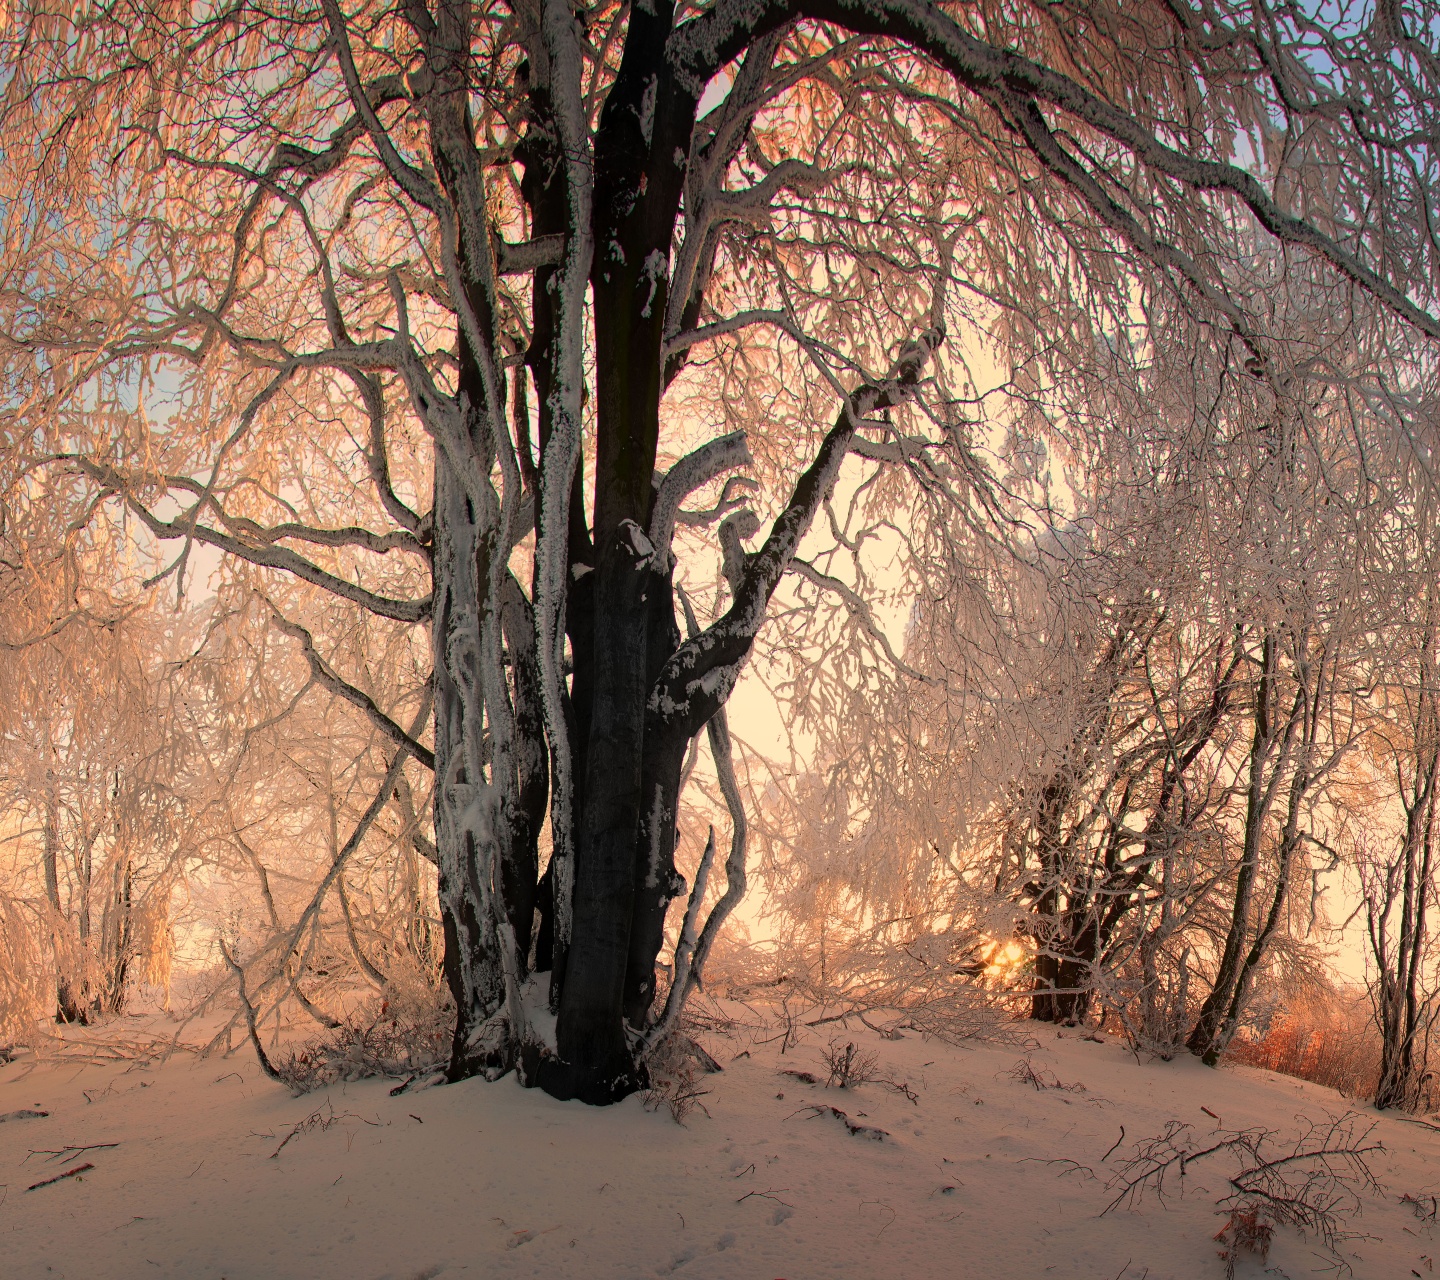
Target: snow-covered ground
[[971, 1180]]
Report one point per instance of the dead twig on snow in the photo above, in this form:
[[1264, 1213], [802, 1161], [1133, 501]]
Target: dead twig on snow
[[859, 1130], [60, 1177]]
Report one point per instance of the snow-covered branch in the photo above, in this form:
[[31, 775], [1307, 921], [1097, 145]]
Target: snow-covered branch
[[710, 460], [267, 555], [326, 675]]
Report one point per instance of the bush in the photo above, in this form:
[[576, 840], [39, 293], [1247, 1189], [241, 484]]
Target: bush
[[1332, 1042], [399, 1039]]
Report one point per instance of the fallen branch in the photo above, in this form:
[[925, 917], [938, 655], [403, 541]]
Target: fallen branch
[[1117, 1142], [60, 1177], [770, 1194], [1424, 1124], [1425, 1207], [900, 1087], [1026, 1072], [65, 1152], [859, 1130], [318, 1120], [1069, 1166]]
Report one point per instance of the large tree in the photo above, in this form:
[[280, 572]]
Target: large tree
[[286, 274]]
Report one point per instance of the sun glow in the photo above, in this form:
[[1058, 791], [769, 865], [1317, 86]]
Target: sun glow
[[1006, 958]]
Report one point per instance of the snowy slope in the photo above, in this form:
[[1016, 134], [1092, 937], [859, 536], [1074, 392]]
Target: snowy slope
[[490, 1180]]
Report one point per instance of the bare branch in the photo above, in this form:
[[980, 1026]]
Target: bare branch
[[695, 469], [325, 674]]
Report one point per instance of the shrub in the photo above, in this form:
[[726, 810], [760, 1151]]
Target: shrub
[[1332, 1042]]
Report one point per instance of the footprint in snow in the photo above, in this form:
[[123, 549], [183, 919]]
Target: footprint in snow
[[678, 1261], [692, 1252]]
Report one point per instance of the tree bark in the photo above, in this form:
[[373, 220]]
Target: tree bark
[[592, 1060]]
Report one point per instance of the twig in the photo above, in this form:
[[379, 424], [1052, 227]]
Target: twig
[[1118, 1141], [318, 1120], [1026, 1072], [1424, 1124], [899, 1086], [771, 1193], [1074, 1165], [1417, 1204], [859, 1130], [60, 1177], [63, 1152]]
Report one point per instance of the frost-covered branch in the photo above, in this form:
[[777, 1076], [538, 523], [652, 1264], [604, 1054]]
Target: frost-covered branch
[[710, 460], [859, 610], [696, 681], [267, 556], [326, 675]]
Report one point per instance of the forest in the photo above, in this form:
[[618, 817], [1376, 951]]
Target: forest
[[527, 527]]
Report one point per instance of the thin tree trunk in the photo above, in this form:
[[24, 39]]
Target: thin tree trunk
[[1268, 750], [1401, 1008]]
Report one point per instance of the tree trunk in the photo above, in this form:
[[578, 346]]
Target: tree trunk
[[1400, 1006], [465, 816], [593, 1061], [70, 1001], [1206, 1039]]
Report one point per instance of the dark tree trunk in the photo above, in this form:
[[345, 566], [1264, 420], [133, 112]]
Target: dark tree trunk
[[1062, 990], [616, 725], [593, 1061], [656, 880], [1269, 748]]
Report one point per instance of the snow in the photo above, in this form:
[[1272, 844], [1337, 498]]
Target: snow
[[494, 1180]]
